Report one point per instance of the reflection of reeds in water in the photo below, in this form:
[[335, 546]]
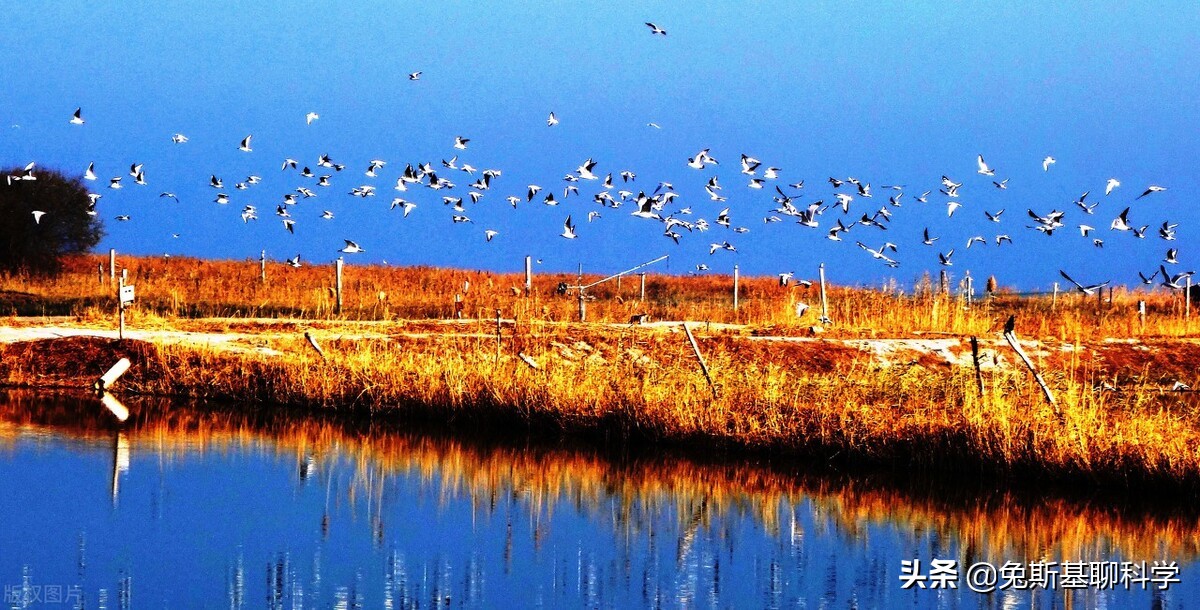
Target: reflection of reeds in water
[[625, 494]]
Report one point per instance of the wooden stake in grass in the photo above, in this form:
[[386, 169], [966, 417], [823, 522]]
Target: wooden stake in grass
[[313, 342], [1009, 336], [527, 360], [700, 359], [497, 335], [975, 360]]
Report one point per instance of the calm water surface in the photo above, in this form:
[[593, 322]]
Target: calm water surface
[[192, 508]]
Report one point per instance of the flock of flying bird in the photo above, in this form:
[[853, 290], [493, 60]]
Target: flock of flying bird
[[662, 204]]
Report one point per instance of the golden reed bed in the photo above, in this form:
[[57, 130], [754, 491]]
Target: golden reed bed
[[824, 399]]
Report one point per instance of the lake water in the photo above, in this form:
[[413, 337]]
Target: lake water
[[184, 507]]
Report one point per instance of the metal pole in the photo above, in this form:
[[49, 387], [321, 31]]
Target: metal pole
[[642, 295], [99, 273], [735, 287], [528, 275], [338, 285], [824, 303], [582, 307], [262, 265], [1187, 298], [112, 265], [1054, 299], [970, 289], [120, 310]]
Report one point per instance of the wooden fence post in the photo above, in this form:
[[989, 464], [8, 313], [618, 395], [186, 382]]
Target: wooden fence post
[[975, 360], [1054, 299], [642, 293], [1187, 298], [337, 287], [112, 265], [262, 266], [824, 302], [528, 275], [120, 309], [699, 358], [582, 306], [497, 335], [735, 287]]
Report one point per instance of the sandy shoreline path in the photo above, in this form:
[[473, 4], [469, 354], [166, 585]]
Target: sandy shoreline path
[[265, 331]]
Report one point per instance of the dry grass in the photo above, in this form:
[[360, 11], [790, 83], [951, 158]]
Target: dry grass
[[818, 398], [190, 288]]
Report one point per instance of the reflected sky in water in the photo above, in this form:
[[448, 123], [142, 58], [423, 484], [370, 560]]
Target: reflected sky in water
[[182, 512]]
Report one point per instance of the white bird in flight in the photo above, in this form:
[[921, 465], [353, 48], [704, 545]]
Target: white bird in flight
[[568, 229], [552, 120], [1047, 162], [1110, 185], [983, 167], [351, 247], [310, 117], [77, 118], [1087, 290], [654, 29], [245, 145], [1151, 189]]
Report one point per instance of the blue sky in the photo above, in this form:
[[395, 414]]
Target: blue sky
[[887, 94]]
